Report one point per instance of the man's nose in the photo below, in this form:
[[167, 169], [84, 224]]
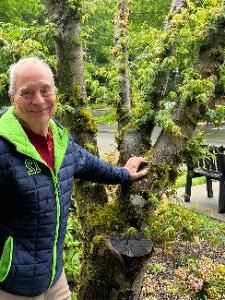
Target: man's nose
[[37, 97]]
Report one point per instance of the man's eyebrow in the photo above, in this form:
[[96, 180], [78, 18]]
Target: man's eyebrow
[[34, 86], [46, 84], [25, 88]]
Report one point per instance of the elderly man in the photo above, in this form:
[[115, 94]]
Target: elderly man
[[38, 163]]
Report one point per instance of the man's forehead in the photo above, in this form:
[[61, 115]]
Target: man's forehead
[[35, 84], [31, 75], [32, 68]]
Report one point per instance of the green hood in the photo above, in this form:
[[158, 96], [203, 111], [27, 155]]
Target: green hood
[[11, 130]]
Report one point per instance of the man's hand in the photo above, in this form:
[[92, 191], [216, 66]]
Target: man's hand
[[132, 166]]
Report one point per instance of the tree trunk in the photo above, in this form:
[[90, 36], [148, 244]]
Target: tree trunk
[[66, 15], [121, 54], [70, 76]]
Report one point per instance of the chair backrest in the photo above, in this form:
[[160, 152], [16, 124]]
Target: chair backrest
[[214, 161], [221, 159]]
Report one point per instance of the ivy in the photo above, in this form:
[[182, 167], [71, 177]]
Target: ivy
[[164, 120], [197, 90], [182, 41]]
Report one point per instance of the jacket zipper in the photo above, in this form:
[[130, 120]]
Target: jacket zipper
[[56, 235]]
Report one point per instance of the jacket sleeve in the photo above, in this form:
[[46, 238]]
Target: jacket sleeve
[[90, 167]]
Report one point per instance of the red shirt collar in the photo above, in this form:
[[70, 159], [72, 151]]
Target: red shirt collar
[[44, 145]]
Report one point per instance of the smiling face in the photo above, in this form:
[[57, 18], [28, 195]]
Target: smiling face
[[34, 98]]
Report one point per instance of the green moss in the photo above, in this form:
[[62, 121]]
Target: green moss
[[84, 121], [109, 217], [74, 7], [98, 242], [122, 68], [163, 174], [90, 147], [88, 271], [77, 40], [77, 98]]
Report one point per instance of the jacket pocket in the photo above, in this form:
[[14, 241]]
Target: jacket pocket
[[6, 258]]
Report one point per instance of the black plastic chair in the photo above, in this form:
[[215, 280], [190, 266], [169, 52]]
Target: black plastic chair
[[212, 167]]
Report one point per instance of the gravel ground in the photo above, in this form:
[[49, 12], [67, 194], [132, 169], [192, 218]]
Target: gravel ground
[[186, 271]]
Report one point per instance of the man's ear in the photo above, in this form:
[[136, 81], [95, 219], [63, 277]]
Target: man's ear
[[11, 99]]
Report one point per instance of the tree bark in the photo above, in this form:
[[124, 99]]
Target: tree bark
[[66, 15]]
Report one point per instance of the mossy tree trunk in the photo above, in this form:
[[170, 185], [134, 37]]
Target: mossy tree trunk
[[121, 56], [66, 15], [166, 156], [116, 252]]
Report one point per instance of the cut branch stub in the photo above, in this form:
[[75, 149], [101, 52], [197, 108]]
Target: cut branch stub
[[132, 247]]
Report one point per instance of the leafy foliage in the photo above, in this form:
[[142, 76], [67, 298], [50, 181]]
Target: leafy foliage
[[170, 222], [21, 12], [20, 41], [149, 13], [181, 43], [72, 249]]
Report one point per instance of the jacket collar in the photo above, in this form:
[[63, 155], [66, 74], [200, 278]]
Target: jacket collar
[[11, 130]]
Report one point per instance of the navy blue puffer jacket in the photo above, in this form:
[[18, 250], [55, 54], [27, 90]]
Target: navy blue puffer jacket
[[34, 204]]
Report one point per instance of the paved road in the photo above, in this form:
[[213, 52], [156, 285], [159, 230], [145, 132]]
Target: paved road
[[106, 138], [200, 202]]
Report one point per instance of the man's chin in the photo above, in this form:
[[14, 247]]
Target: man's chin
[[37, 119]]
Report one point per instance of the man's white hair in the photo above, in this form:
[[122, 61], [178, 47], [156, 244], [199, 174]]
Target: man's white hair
[[26, 61]]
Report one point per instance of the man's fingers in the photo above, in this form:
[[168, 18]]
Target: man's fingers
[[143, 160], [135, 165], [142, 173], [139, 174]]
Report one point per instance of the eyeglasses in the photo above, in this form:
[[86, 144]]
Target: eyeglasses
[[45, 90]]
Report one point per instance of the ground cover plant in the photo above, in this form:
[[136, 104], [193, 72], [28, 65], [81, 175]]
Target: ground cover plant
[[192, 264]]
